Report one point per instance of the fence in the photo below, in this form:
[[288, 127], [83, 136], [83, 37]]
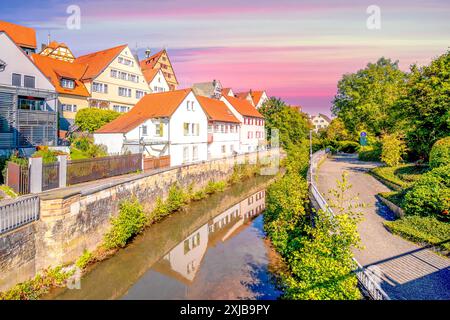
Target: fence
[[156, 163], [366, 281], [18, 213], [50, 176], [18, 178], [85, 170]]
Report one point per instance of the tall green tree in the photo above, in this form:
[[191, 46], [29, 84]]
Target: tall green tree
[[293, 125], [365, 99], [91, 119], [425, 107]]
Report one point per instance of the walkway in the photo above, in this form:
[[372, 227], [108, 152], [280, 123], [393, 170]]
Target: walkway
[[404, 269]]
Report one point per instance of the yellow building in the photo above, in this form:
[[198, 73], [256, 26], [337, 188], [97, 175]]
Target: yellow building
[[59, 51], [113, 78], [66, 78], [161, 61]]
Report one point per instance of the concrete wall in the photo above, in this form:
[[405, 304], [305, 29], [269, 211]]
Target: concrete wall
[[72, 221]]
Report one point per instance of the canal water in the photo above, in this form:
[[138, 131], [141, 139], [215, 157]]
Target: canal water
[[213, 249]]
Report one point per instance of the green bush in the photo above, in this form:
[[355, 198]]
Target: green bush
[[84, 260], [393, 148], [130, 221], [213, 187], [176, 199], [369, 153], [347, 146], [92, 119], [83, 143], [48, 156], [430, 195], [440, 153]]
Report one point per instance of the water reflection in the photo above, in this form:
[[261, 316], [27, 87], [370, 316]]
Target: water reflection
[[213, 250]]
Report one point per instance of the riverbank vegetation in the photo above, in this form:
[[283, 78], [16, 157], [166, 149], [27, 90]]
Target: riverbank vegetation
[[315, 247]]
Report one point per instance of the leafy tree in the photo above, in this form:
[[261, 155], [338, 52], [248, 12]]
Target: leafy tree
[[336, 131], [365, 99], [91, 119], [293, 126], [440, 153], [426, 105], [393, 148]]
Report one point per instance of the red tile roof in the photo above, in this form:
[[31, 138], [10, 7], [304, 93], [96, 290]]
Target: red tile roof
[[256, 96], [156, 105], [149, 74], [150, 62], [244, 107], [216, 110], [22, 36], [241, 95], [54, 70], [98, 61]]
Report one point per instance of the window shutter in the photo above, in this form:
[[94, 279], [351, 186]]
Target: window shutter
[[161, 128]]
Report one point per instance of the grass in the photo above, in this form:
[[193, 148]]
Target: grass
[[402, 176], [422, 230], [8, 191]]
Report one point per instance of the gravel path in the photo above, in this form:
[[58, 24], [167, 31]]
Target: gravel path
[[404, 269]]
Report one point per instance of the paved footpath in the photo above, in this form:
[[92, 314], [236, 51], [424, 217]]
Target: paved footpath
[[404, 269]]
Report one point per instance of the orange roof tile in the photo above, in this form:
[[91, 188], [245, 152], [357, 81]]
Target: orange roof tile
[[22, 36], [54, 70], [243, 107], [216, 110], [150, 62], [98, 61], [256, 96], [149, 74], [156, 105], [241, 95]]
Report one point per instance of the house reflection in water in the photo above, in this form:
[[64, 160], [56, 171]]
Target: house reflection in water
[[183, 261]]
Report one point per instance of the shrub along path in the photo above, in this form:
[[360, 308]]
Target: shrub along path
[[404, 269]]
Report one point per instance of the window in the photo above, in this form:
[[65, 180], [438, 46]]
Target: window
[[185, 154], [69, 107], [186, 128], [99, 87], [122, 109], [144, 130], [194, 152], [67, 83], [159, 129], [188, 105], [32, 104], [29, 82], [224, 149], [114, 73], [124, 92], [139, 94], [16, 79], [192, 105], [126, 62]]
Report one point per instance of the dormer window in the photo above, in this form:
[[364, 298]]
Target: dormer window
[[67, 83]]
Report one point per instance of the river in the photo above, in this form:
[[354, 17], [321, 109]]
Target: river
[[213, 249]]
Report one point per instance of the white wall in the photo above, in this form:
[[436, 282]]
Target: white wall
[[223, 139], [112, 141], [264, 97], [176, 132], [18, 62], [160, 82]]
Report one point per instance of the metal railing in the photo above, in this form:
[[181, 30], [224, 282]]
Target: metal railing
[[365, 279], [18, 213]]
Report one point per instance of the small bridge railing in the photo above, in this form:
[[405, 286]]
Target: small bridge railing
[[18, 213], [365, 279]]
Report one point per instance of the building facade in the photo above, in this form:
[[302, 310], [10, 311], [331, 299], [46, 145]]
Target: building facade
[[156, 80], [113, 79], [161, 61], [252, 133], [223, 128], [320, 121], [255, 98], [169, 123], [28, 100], [23, 37], [211, 89]]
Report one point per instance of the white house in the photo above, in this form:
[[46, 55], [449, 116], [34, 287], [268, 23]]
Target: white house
[[320, 121], [28, 115], [156, 80], [168, 123], [252, 133], [223, 128], [256, 98]]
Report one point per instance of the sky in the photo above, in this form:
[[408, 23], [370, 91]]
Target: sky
[[295, 50]]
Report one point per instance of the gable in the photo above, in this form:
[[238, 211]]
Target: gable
[[18, 62]]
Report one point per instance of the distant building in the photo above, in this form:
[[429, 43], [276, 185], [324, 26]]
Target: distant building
[[169, 123], [23, 37], [223, 128], [161, 61], [58, 51], [256, 98], [156, 80], [227, 92], [320, 121], [252, 134], [211, 89], [28, 115]]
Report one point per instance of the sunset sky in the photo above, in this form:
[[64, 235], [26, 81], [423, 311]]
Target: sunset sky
[[296, 50]]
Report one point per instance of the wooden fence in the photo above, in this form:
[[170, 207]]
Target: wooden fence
[[156, 163], [17, 178], [18, 213], [84, 170]]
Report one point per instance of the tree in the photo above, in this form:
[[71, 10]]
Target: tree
[[426, 106], [293, 125], [91, 119], [336, 131], [365, 99], [393, 148]]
